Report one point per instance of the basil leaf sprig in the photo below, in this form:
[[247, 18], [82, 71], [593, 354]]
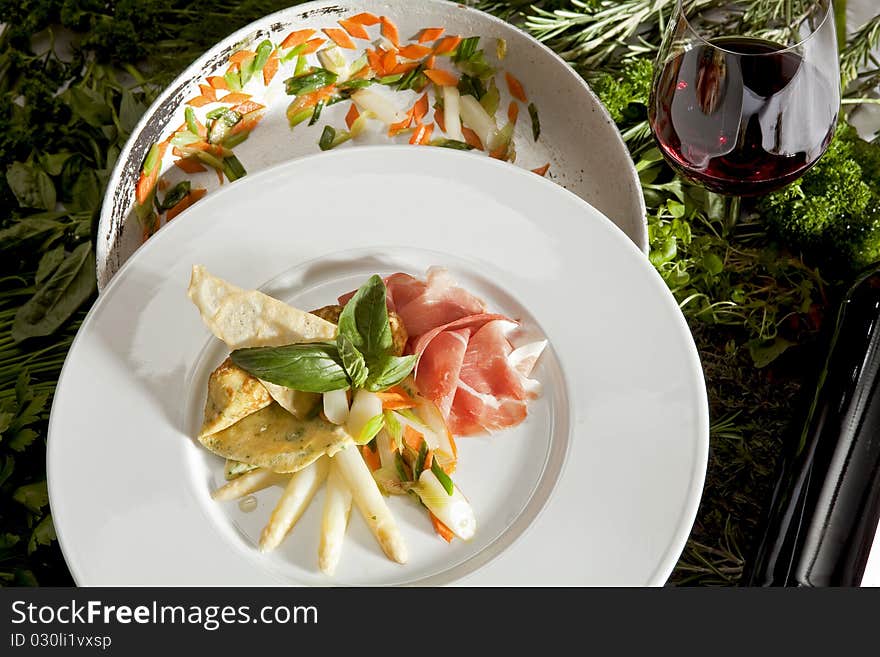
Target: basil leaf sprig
[[310, 367], [362, 356], [364, 322]]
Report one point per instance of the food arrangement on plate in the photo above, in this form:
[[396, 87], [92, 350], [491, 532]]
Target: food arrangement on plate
[[367, 395], [432, 88]]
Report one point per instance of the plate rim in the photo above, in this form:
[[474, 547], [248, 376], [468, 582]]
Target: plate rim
[[687, 516], [105, 218]]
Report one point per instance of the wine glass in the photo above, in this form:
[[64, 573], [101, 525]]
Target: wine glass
[[742, 110]]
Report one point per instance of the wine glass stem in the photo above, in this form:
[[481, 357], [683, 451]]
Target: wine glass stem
[[732, 213]]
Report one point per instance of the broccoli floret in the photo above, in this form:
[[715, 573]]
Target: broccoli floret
[[625, 96], [832, 214]]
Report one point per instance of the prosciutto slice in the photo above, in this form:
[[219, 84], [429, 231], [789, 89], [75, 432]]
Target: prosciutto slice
[[466, 362]]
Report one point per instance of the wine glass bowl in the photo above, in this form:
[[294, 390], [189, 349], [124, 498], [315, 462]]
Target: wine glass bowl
[[744, 111]]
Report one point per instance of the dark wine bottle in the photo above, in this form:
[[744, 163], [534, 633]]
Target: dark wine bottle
[[824, 512]]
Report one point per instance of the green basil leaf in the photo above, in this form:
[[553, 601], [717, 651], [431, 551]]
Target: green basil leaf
[[33, 188], [309, 367], [86, 193], [58, 298], [389, 372], [352, 361], [371, 428], [443, 478], [53, 164], [364, 321]]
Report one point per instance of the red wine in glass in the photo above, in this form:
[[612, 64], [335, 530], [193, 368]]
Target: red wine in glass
[[742, 116]]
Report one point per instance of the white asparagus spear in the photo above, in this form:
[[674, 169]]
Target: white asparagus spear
[[299, 492], [337, 507], [370, 502], [248, 483]]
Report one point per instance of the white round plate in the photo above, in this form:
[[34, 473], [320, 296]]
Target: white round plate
[[599, 485], [580, 141]]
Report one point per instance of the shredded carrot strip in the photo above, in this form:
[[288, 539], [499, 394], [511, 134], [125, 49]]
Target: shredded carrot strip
[[185, 202], [247, 107], [235, 97], [270, 69], [357, 30], [542, 171], [233, 68], [439, 119], [312, 45], [431, 34], [389, 61], [516, 88], [429, 63], [248, 123], [296, 38], [403, 67], [305, 101], [426, 134], [400, 126], [371, 458], [415, 51], [442, 530], [189, 165], [351, 116], [340, 37], [471, 138], [499, 153], [240, 56], [208, 91], [396, 397], [389, 31], [512, 112], [146, 183], [199, 101], [412, 438], [442, 78], [375, 61], [365, 18], [420, 108], [162, 185], [363, 72], [447, 44], [218, 82], [429, 459]]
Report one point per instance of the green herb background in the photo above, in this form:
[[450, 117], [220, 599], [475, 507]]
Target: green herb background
[[755, 296]]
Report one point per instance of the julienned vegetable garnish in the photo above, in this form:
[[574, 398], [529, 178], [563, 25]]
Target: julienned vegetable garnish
[[363, 62], [335, 395]]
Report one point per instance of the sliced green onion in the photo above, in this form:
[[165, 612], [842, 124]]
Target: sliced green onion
[[247, 70], [207, 158], [151, 160], [371, 428], [191, 121], [316, 113], [233, 168], [452, 143], [536, 123], [304, 84], [263, 52], [302, 67], [422, 455], [500, 48], [293, 52], [466, 49], [333, 60], [222, 124], [443, 478], [184, 138], [355, 84], [390, 79], [409, 78], [233, 80], [400, 467], [331, 138], [471, 86], [174, 196], [299, 117], [394, 429], [231, 141], [491, 99]]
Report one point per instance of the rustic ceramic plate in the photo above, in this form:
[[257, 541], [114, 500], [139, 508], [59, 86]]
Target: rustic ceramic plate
[[599, 485], [578, 139]]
